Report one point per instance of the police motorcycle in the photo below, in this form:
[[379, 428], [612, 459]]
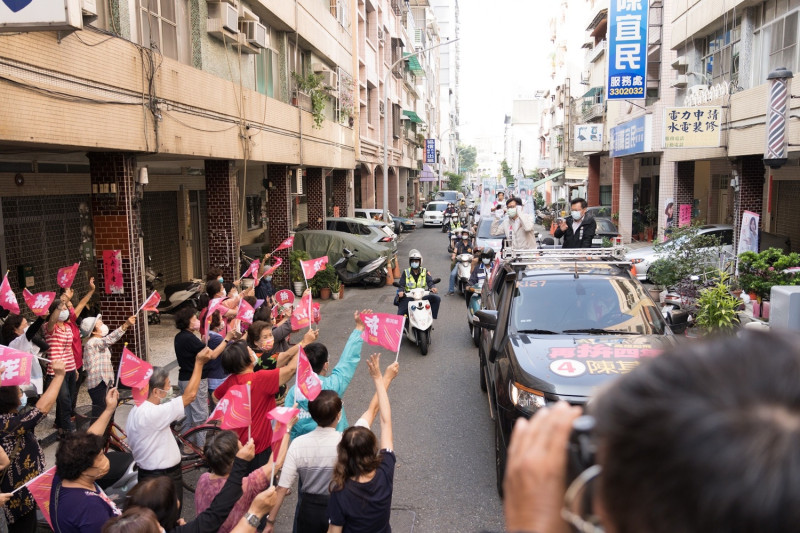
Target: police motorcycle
[[474, 293], [463, 272], [454, 235], [419, 324]]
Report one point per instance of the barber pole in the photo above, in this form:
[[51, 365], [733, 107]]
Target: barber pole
[[775, 154]]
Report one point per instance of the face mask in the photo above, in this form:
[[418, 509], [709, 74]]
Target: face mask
[[63, 316], [102, 470], [268, 344], [220, 279], [576, 215], [103, 330], [486, 260], [512, 212], [414, 264], [465, 237], [23, 401], [168, 397]]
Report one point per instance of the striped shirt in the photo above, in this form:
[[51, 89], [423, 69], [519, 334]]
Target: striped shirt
[[60, 341], [311, 456]]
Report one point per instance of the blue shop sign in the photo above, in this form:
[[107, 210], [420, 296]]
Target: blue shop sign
[[632, 137], [627, 50], [430, 150]]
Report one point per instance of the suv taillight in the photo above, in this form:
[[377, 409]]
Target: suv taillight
[[386, 239]]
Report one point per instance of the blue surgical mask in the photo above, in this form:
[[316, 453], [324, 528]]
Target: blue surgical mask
[[220, 279], [576, 215], [414, 264], [23, 400], [268, 278]]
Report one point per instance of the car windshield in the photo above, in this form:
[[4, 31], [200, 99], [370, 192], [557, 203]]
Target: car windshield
[[485, 231], [436, 207], [590, 305], [604, 225], [450, 196]]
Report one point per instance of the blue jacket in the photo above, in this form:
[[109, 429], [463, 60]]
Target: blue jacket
[[338, 381]]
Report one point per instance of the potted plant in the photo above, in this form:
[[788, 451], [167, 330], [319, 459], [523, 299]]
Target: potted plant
[[651, 219], [662, 273], [716, 308], [296, 271], [312, 86], [336, 289]]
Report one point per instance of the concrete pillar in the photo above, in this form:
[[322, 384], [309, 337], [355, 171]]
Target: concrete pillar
[[684, 187], [666, 192], [279, 212], [616, 168], [315, 196], [379, 187], [342, 194], [367, 188], [593, 183], [625, 198], [222, 191], [117, 223], [394, 194], [751, 191]]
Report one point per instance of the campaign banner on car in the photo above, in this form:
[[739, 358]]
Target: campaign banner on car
[[627, 50]]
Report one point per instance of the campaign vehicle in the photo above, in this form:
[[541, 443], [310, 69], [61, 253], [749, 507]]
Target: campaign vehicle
[[557, 325]]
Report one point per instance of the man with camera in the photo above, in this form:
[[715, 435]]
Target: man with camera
[[701, 438]]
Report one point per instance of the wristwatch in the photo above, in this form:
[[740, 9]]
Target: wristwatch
[[252, 519]]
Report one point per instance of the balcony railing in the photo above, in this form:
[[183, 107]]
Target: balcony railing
[[592, 111], [596, 52]]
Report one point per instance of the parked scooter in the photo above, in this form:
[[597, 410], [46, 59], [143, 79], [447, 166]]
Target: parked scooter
[[474, 305], [174, 296], [464, 263], [370, 272], [419, 325]]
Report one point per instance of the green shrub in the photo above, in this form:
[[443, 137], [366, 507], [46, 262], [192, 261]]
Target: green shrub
[[716, 308]]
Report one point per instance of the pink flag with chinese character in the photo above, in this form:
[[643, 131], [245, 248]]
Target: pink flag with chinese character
[[315, 314], [233, 409], [274, 267], [135, 373], [246, 312], [112, 271], [383, 329], [151, 304], [66, 275], [39, 488], [8, 300], [308, 382], [288, 243], [283, 414], [284, 296], [39, 302], [312, 266], [18, 366], [300, 317], [252, 270]]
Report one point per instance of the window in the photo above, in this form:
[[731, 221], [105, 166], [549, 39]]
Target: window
[[721, 55], [397, 125], [776, 39], [159, 26], [267, 77], [371, 106], [605, 195], [253, 215]]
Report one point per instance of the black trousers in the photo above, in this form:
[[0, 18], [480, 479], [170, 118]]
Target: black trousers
[[311, 514], [174, 473]]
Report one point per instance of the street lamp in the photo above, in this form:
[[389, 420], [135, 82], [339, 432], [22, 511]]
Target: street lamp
[[386, 124]]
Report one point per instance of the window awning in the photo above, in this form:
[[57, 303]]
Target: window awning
[[427, 174], [413, 116], [594, 91], [552, 176], [413, 64]]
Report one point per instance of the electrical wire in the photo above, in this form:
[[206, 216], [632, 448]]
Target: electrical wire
[[59, 95], [182, 123]]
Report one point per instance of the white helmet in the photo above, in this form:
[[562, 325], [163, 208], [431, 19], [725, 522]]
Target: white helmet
[[414, 254]]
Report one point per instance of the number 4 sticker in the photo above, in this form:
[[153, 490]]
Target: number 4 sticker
[[568, 368]]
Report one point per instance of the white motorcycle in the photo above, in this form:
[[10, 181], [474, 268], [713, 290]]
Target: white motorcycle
[[464, 265], [419, 325]]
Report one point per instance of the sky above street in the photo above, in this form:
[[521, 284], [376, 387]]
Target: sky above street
[[505, 53]]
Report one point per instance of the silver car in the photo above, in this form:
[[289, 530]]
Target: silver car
[[372, 230]]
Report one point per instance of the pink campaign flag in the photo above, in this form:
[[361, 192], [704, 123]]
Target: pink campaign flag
[[252, 270], [233, 409], [271, 270], [246, 312], [288, 243], [382, 329], [312, 266], [66, 275], [18, 366], [135, 373], [283, 414], [40, 302], [300, 317], [213, 306], [281, 417], [8, 300], [315, 314], [284, 296], [308, 383], [39, 488], [151, 304]]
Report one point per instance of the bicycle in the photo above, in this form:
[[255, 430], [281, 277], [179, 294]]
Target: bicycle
[[193, 461]]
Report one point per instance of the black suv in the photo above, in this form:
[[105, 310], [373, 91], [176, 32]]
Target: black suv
[[555, 329]]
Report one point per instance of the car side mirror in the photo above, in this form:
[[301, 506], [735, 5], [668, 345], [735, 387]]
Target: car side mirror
[[487, 319], [678, 321]]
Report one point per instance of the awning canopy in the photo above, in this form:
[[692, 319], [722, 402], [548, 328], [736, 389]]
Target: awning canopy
[[427, 174], [413, 116], [552, 176], [594, 91], [413, 64]]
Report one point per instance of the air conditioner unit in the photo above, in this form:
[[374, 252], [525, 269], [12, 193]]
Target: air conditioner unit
[[680, 62], [585, 75], [380, 35], [680, 81], [255, 33], [381, 108], [330, 78], [223, 14]]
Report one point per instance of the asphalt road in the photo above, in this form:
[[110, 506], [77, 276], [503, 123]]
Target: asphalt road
[[443, 436]]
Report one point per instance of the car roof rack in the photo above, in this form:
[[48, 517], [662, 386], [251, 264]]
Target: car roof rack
[[611, 255]]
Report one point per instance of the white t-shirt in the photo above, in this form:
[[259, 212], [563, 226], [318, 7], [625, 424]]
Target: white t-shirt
[[149, 435]]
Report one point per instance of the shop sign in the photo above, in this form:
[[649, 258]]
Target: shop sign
[[632, 137], [588, 138], [692, 127], [627, 61]]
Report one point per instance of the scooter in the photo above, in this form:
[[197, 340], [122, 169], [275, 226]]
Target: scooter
[[369, 272], [473, 306], [175, 296], [447, 221], [451, 245], [464, 262], [419, 325]]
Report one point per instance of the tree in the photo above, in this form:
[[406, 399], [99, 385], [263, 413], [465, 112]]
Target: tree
[[467, 158], [506, 170], [454, 181]]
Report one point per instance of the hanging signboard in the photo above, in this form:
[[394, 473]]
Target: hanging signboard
[[627, 51], [692, 127]]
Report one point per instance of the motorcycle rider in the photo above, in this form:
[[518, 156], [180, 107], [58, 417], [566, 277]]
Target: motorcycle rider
[[481, 270], [451, 212], [416, 277], [464, 246]]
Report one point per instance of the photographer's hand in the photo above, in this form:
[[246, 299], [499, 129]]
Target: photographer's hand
[[534, 483]]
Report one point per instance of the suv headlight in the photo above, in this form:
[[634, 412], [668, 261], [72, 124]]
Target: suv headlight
[[526, 398]]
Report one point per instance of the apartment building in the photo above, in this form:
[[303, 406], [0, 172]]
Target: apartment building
[[171, 131]]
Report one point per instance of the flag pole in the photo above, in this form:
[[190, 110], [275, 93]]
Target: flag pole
[[309, 301], [400, 342], [119, 369], [250, 425], [31, 481]]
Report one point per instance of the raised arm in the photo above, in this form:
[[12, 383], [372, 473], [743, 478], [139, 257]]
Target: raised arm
[[48, 399], [82, 304], [99, 426], [383, 401], [372, 411], [287, 371], [231, 335]]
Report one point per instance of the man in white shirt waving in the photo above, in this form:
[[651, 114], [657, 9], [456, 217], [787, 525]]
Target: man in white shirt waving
[[516, 225], [154, 447]]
